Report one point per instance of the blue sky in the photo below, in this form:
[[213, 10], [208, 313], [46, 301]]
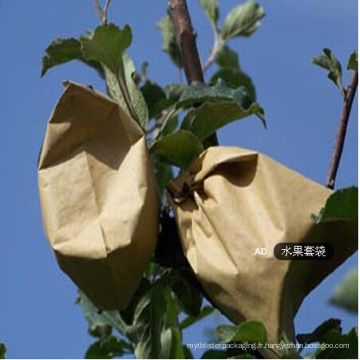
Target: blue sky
[[38, 318]]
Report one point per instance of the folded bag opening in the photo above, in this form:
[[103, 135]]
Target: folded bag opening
[[232, 201]]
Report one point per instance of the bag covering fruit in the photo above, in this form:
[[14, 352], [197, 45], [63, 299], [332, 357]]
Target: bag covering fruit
[[231, 202], [98, 197]]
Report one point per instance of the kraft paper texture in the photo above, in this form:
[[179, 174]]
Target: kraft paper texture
[[233, 201], [98, 196]]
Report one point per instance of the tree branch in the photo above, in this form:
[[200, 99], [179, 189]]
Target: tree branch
[[186, 39], [341, 132], [188, 49]]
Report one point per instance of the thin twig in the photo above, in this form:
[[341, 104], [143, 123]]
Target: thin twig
[[341, 132], [162, 122], [98, 9], [168, 114], [218, 45], [102, 13], [188, 49], [105, 11], [157, 124], [211, 59]]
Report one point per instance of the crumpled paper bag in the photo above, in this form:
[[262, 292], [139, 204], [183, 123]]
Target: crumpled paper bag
[[232, 201], [98, 196]]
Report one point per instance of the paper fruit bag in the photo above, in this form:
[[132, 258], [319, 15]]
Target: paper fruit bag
[[233, 201], [98, 196]]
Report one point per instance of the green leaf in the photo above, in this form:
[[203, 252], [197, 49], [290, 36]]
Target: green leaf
[[288, 352], [137, 99], [171, 345], [214, 354], [108, 348], [248, 331], [136, 96], [220, 92], [342, 205], [223, 105], [336, 352], [251, 332], [243, 20], [174, 92], [2, 351], [101, 332], [113, 88], [155, 98], [329, 62], [234, 78], [166, 344], [210, 117], [179, 148], [187, 353], [107, 45], [172, 308], [190, 320], [128, 314], [225, 333], [169, 42], [353, 61], [61, 51], [96, 318], [147, 319], [321, 332], [211, 8], [163, 174], [189, 297], [147, 325], [169, 122], [161, 105], [169, 126], [346, 293], [228, 58]]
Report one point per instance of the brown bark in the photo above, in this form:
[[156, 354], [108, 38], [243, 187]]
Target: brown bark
[[341, 133], [189, 53]]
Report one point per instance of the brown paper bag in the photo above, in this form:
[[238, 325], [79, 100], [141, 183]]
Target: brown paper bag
[[233, 201], [98, 196]]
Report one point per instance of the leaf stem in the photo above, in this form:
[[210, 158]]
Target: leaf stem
[[155, 126], [161, 123], [341, 132], [218, 45], [188, 49]]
